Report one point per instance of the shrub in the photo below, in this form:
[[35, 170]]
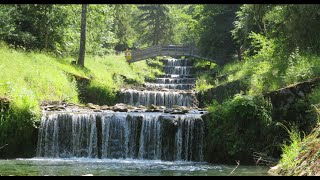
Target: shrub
[[239, 126]]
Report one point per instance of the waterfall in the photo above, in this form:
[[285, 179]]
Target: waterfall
[[178, 76], [158, 98], [121, 135]]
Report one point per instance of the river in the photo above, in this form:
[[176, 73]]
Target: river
[[121, 167]]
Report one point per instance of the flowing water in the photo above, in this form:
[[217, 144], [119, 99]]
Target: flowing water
[[178, 82], [128, 143], [121, 167], [157, 136]]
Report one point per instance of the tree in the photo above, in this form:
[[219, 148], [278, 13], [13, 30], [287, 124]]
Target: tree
[[185, 23], [33, 26], [249, 18], [83, 36], [291, 26], [156, 24], [215, 36], [121, 26]]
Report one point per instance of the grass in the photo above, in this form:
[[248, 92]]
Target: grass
[[291, 152], [202, 83], [204, 80], [272, 74], [28, 78], [269, 67], [302, 156]]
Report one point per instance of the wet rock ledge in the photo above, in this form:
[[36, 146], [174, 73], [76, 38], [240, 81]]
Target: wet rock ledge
[[120, 107]]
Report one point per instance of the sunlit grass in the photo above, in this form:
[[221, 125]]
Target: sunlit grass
[[291, 152], [202, 84], [272, 74], [29, 78]]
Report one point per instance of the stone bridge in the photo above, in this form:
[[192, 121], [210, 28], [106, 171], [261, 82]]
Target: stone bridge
[[167, 50]]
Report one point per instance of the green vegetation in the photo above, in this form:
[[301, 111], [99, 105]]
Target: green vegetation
[[270, 50], [291, 151], [301, 157], [301, 154], [203, 75], [237, 123], [28, 79], [43, 77], [265, 71], [258, 48]]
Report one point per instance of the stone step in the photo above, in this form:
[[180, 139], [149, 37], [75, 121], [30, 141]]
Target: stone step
[[175, 80], [178, 62], [183, 70], [176, 76], [170, 86]]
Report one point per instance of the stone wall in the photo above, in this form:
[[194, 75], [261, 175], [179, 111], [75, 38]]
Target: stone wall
[[221, 93], [290, 104]]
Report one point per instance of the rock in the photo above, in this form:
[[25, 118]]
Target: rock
[[274, 169], [61, 107], [120, 108], [93, 106], [152, 106], [177, 112], [302, 173], [153, 110], [49, 107], [105, 107], [142, 107]]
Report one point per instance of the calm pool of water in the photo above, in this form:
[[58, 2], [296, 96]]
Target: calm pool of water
[[116, 167]]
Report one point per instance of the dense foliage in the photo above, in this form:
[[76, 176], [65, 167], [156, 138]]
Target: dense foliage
[[238, 127], [29, 79], [265, 46], [276, 48]]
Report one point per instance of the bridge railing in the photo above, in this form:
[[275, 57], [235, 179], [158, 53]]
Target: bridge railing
[[158, 50], [146, 51]]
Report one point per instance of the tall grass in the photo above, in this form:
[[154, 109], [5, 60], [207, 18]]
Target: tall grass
[[272, 74], [269, 68], [290, 152], [202, 83], [27, 79]]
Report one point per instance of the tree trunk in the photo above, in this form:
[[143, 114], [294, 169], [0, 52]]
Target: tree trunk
[[239, 53], [48, 11], [46, 33], [83, 36]]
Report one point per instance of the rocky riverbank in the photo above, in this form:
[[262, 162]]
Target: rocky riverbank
[[307, 159]]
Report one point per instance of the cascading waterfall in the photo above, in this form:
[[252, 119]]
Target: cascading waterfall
[[158, 98], [179, 76], [121, 135], [175, 80]]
